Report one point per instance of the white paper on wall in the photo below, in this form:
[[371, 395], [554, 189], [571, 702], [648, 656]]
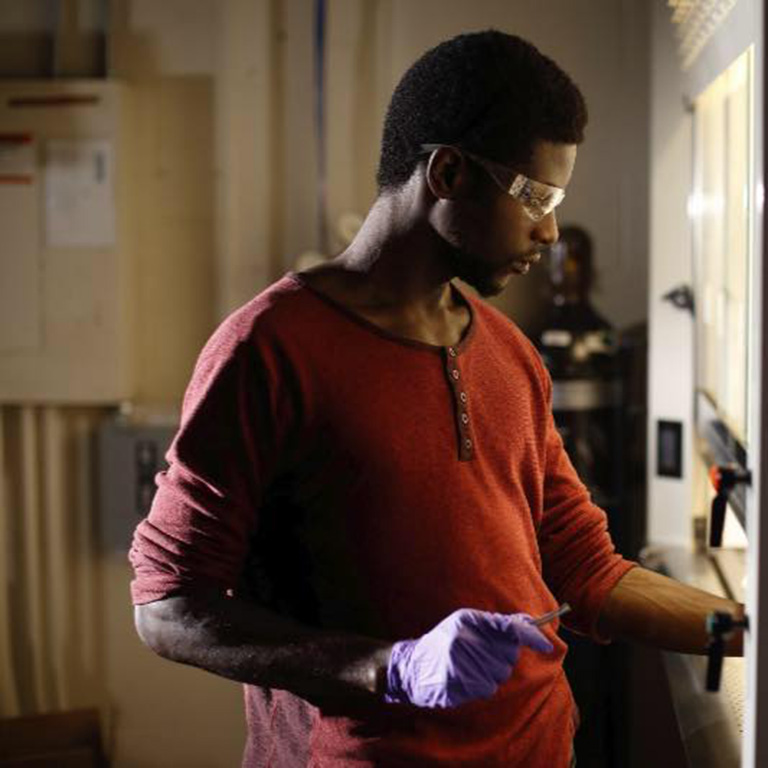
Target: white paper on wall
[[79, 193]]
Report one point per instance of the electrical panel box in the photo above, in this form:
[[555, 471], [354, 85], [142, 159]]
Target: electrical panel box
[[66, 280], [129, 456]]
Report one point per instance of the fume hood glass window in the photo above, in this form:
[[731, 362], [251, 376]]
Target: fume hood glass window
[[721, 214]]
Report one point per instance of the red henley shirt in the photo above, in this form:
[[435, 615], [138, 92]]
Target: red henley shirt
[[367, 483]]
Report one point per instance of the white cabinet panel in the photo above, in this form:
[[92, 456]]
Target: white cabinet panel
[[66, 298], [20, 266]]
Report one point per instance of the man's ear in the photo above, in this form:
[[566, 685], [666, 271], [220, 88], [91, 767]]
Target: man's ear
[[446, 173]]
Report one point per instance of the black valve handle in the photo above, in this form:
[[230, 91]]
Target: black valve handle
[[723, 478], [719, 626], [717, 520], [715, 654]]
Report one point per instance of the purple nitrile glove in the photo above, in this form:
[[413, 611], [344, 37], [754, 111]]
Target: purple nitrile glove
[[465, 657]]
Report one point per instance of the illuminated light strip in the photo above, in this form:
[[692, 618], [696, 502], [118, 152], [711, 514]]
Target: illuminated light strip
[[696, 22]]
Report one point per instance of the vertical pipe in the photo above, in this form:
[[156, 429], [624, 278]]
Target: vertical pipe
[[319, 82], [9, 697], [276, 139], [57, 550], [33, 561]]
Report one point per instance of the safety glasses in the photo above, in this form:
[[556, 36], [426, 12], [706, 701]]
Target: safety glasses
[[538, 199]]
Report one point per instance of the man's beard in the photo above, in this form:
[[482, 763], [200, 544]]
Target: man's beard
[[473, 271]]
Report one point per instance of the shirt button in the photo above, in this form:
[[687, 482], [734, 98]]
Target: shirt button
[[464, 418], [468, 444], [463, 397], [451, 351], [455, 374]]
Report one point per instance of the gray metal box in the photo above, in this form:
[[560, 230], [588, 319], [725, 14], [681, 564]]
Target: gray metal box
[[129, 455]]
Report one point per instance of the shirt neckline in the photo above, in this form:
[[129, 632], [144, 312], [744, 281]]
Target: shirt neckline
[[459, 347]]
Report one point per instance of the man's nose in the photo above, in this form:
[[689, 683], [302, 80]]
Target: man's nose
[[546, 231]]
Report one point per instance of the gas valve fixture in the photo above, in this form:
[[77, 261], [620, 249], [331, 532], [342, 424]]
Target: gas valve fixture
[[724, 478], [720, 626]]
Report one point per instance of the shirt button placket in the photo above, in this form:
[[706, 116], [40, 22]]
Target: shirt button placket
[[461, 415]]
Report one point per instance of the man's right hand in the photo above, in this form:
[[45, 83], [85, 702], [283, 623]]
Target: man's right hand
[[465, 657]]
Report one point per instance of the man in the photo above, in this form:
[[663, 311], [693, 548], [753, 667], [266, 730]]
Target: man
[[367, 503]]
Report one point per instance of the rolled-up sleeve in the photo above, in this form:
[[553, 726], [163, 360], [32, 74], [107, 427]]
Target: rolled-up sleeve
[[226, 450], [579, 560]]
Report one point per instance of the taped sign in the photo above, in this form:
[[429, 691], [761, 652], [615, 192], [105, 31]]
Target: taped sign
[[79, 193]]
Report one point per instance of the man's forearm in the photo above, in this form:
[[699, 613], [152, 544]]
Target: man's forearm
[[649, 608], [243, 642]]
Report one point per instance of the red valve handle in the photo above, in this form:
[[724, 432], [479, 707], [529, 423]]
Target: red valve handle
[[716, 477]]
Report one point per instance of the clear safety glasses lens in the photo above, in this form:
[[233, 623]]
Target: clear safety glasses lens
[[538, 199]]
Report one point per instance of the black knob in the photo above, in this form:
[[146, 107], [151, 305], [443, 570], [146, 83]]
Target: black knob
[[717, 520], [719, 626], [723, 478], [681, 297], [715, 653]]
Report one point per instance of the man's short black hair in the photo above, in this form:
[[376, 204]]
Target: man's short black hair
[[488, 92]]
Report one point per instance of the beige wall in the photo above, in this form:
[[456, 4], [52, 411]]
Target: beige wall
[[670, 375], [161, 714], [165, 52], [155, 714]]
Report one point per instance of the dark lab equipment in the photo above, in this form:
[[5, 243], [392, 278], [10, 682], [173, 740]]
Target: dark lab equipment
[[580, 349]]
